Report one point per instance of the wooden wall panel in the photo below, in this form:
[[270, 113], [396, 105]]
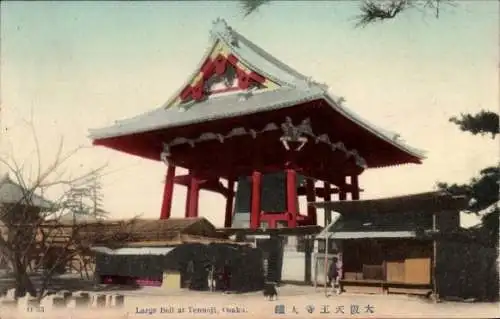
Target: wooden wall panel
[[366, 256], [395, 271], [374, 272], [418, 271], [350, 275]]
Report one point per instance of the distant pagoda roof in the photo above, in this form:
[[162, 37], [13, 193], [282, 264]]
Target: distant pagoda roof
[[282, 87]]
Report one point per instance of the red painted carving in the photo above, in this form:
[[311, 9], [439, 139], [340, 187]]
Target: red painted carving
[[257, 77], [218, 66], [197, 91], [207, 68], [243, 79], [186, 93], [232, 59]]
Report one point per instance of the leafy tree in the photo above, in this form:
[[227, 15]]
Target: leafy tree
[[483, 191], [484, 122]]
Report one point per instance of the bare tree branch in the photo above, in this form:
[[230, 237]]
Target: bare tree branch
[[31, 228], [371, 11], [250, 6], [37, 143]]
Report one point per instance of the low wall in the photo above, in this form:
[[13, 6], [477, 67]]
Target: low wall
[[294, 266], [61, 300], [318, 267]]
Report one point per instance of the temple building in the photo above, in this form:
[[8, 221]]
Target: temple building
[[18, 203], [411, 244], [244, 125]]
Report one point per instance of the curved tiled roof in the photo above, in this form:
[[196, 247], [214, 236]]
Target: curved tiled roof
[[218, 107], [294, 88]]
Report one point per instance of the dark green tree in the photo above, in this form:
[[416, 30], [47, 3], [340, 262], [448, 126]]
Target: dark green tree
[[484, 122], [483, 190]]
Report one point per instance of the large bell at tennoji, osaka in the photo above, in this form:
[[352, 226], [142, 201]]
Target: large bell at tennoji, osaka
[[273, 197]]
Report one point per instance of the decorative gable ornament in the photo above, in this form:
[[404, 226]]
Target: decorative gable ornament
[[340, 100], [294, 138], [295, 134], [313, 84], [221, 28], [165, 154], [221, 74]]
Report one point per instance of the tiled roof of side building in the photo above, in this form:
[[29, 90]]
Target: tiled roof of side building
[[434, 201], [12, 193]]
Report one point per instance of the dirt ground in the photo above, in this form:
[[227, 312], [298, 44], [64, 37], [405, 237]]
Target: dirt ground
[[294, 301]]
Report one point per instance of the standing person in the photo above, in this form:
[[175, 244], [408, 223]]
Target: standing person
[[226, 277], [211, 278], [334, 276]]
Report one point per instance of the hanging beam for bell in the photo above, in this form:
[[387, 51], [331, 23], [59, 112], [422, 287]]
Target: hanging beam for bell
[[273, 197]]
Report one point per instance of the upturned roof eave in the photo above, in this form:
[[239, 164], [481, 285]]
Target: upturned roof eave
[[104, 133], [302, 81], [418, 154]]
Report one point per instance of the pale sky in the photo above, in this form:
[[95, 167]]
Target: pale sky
[[81, 65]]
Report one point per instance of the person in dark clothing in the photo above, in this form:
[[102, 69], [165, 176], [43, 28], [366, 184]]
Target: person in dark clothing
[[334, 276], [226, 277]]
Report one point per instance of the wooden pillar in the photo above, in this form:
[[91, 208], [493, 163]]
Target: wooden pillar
[[327, 196], [311, 197], [291, 192], [355, 187], [325, 269], [255, 197], [435, 292], [309, 247], [168, 190], [188, 195], [194, 191], [342, 191], [228, 220], [273, 224]]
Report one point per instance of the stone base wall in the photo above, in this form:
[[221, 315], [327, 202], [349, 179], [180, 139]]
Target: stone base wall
[[61, 300]]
